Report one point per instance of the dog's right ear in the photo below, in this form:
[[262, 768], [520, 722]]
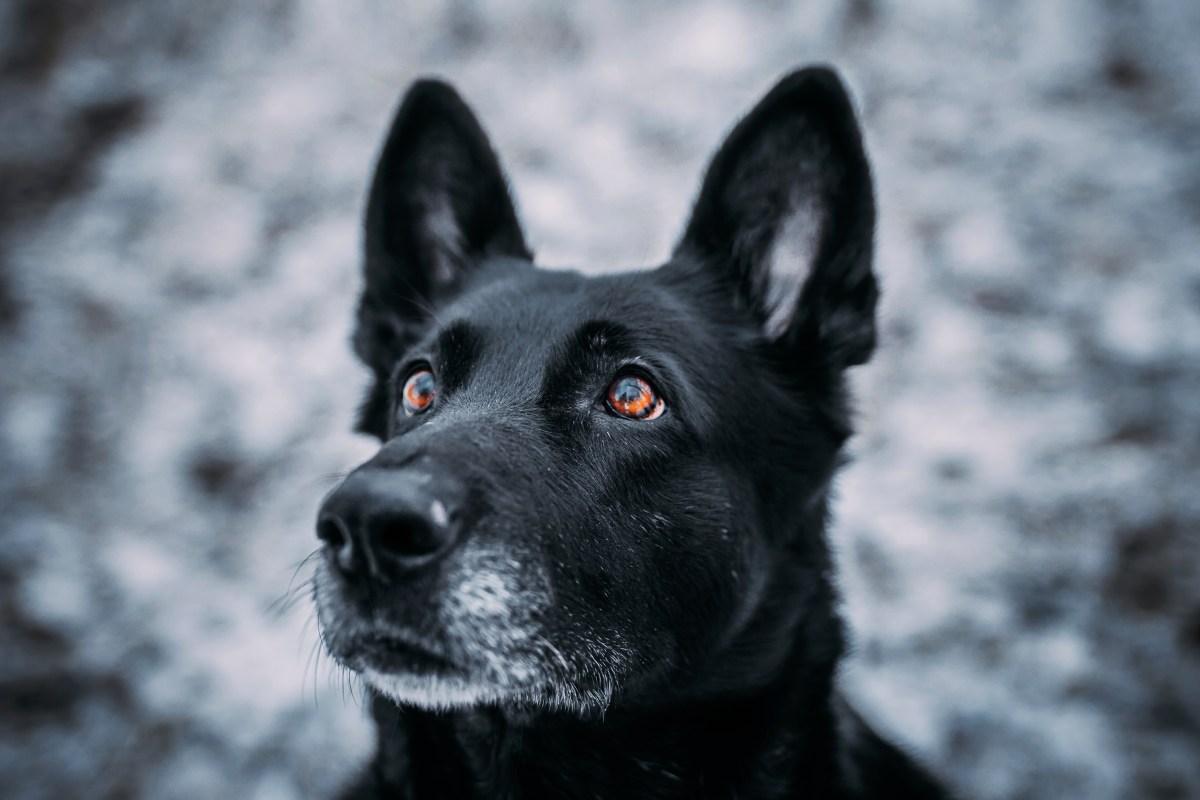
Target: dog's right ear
[[439, 206], [786, 218]]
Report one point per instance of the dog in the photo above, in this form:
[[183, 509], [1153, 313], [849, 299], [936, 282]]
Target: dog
[[589, 559]]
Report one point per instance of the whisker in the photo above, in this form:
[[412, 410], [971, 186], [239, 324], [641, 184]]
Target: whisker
[[288, 600], [331, 479], [294, 591], [308, 624], [311, 663]]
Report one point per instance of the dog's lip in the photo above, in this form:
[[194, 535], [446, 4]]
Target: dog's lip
[[391, 654]]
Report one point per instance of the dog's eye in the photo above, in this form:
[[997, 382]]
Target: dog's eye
[[419, 392], [633, 397]]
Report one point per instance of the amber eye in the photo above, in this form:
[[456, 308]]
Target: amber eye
[[419, 392], [634, 397]]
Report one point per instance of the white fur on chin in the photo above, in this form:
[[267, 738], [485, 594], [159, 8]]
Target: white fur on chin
[[441, 693]]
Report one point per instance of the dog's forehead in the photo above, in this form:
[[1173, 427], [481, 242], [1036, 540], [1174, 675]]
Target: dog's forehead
[[537, 309]]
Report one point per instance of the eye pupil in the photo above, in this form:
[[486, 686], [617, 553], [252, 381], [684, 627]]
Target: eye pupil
[[420, 390], [633, 397]]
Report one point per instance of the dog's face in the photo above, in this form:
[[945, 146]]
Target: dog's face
[[597, 485]]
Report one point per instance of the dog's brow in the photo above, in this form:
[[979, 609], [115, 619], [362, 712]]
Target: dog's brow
[[458, 346], [583, 351], [601, 337]]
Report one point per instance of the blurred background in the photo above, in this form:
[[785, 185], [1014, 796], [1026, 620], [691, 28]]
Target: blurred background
[[180, 191]]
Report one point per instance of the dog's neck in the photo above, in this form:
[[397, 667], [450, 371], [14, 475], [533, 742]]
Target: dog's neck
[[711, 750], [778, 733]]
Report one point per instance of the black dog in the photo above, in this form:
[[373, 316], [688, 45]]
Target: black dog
[[589, 559]]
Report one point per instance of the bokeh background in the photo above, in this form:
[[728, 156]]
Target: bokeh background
[[180, 190]]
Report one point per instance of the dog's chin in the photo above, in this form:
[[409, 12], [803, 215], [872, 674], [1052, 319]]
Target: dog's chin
[[462, 691], [388, 655], [410, 674], [413, 676], [447, 691]]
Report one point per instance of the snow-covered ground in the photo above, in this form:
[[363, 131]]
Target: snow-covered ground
[[180, 188]]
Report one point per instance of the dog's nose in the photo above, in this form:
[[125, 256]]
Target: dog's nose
[[381, 522]]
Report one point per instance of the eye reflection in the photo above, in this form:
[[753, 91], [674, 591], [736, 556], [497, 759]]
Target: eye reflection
[[633, 397], [420, 390]]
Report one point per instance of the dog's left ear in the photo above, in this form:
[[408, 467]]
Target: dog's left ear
[[787, 214], [439, 207]]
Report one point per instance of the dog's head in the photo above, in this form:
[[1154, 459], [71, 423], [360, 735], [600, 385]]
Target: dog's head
[[599, 485]]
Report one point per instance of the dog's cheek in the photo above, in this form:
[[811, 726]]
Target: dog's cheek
[[681, 566], [708, 560]]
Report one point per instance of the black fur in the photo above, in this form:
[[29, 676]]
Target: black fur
[[549, 599]]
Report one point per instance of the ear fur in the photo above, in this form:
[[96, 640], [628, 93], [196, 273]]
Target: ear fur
[[786, 213]]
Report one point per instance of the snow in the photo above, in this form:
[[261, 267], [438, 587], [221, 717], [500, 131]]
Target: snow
[[179, 210]]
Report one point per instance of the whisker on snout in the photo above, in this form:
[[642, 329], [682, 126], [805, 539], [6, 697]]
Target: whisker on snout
[[295, 591]]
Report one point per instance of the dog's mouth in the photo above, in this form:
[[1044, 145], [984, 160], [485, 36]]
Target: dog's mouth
[[391, 655]]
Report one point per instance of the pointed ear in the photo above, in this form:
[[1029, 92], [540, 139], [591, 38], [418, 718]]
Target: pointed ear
[[438, 208], [786, 214]]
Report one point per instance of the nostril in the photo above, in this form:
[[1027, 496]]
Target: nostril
[[406, 535], [332, 531]]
